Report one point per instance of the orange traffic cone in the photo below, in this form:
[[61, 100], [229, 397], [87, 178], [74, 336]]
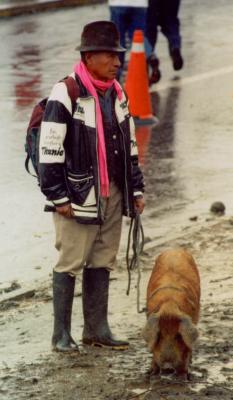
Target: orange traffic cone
[[137, 86]]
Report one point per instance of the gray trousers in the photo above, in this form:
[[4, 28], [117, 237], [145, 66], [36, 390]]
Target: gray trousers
[[92, 246]]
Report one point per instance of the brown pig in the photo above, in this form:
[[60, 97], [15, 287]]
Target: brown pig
[[173, 303]]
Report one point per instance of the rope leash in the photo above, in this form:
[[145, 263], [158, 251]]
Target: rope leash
[[136, 234]]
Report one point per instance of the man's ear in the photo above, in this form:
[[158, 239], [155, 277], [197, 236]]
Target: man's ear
[[87, 57], [90, 57]]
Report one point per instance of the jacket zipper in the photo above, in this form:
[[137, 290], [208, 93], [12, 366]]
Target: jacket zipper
[[126, 184], [88, 178], [98, 172], [98, 177]]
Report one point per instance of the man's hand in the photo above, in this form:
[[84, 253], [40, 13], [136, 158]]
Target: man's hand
[[139, 204], [65, 210]]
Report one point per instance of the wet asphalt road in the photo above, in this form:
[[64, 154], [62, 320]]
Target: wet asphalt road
[[187, 158]]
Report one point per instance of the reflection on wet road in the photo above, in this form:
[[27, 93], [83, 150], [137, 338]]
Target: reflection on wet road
[[187, 158], [159, 165], [26, 69]]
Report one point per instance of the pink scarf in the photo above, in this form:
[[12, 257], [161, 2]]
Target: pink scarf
[[91, 85]]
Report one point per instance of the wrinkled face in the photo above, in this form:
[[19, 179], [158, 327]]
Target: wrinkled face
[[103, 65]]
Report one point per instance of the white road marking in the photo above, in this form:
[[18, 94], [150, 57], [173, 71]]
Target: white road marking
[[192, 79]]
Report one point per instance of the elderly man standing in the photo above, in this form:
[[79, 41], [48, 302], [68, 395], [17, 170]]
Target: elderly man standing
[[89, 173]]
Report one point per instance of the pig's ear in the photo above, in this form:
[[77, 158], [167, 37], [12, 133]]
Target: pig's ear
[[188, 331], [151, 331]]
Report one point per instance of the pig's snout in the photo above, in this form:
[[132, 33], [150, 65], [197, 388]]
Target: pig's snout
[[167, 369]]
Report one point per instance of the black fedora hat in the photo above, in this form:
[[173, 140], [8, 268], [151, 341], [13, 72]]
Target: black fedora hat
[[100, 36]]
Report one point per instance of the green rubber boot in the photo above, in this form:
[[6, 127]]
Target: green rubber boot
[[63, 294], [96, 330]]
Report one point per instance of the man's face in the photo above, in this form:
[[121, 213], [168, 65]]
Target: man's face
[[103, 65]]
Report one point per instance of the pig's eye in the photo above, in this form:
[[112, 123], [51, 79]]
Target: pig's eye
[[178, 337]]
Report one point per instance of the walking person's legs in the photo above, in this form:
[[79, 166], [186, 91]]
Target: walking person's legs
[[152, 22], [137, 20], [170, 27], [138, 16], [118, 15]]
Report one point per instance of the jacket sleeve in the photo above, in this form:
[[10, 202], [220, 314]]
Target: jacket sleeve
[[137, 176], [53, 132]]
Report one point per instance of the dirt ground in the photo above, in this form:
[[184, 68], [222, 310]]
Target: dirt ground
[[30, 370]]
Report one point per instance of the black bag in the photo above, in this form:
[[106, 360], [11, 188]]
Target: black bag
[[33, 130]]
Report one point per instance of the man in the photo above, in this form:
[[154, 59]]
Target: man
[[89, 172], [164, 14]]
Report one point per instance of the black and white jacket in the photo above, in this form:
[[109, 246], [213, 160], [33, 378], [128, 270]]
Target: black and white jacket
[[68, 157]]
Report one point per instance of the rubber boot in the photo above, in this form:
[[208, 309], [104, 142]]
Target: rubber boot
[[63, 294], [96, 330]]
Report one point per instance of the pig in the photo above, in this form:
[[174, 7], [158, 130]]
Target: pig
[[173, 304]]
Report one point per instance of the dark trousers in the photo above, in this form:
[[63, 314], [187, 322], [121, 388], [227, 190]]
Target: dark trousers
[[164, 14], [127, 20]]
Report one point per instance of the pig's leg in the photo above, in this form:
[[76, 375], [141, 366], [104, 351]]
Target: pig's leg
[[182, 374], [155, 370], [182, 370]]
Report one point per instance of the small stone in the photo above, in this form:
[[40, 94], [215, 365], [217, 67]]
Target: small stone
[[218, 208], [194, 218]]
